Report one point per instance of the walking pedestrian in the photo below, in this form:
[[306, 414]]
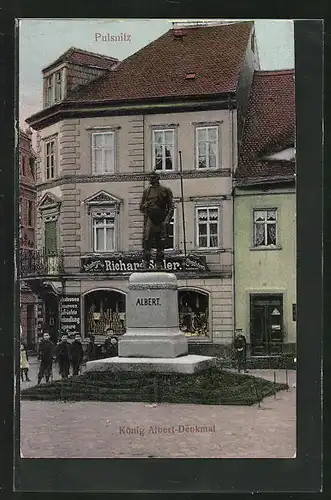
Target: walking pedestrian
[[77, 354], [24, 363], [45, 355], [240, 345], [63, 356]]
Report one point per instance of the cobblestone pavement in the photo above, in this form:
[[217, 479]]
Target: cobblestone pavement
[[138, 430]]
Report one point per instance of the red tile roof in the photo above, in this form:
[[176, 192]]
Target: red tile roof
[[215, 54], [83, 57], [269, 126]]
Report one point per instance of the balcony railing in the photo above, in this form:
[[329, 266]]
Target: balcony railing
[[38, 263]]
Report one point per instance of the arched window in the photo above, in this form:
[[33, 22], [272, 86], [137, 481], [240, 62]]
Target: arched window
[[193, 312], [104, 312]]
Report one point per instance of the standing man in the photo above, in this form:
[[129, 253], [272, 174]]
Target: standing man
[[63, 356], [45, 355], [158, 209], [91, 351], [240, 347], [77, 354]]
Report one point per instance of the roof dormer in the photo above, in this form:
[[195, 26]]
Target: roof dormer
[[73, 68]]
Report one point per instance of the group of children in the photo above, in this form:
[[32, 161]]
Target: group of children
[[67, 354]]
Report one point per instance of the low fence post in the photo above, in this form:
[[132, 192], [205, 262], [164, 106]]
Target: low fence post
[[275, 384], [156, 389], [256, 392]]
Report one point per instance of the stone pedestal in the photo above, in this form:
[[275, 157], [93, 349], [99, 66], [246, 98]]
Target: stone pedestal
[[152, 321], [183, 364]]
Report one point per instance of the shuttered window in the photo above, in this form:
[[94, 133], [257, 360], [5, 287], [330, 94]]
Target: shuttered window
[[50, 237]]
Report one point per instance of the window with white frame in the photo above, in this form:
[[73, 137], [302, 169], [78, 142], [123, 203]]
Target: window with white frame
[[49, 91], [265, 227], [163, 149], [50, 159], [103, 228], [207, 147], [54, 88], [170, 238], [103, 152], [58, 86], [208, 227]]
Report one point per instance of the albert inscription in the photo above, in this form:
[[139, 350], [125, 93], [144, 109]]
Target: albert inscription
[[150, 301]]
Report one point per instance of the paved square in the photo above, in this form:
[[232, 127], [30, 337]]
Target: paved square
[[138, 430]]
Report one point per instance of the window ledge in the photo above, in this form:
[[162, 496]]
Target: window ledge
[[164, 171], [271, 247], [209, 169], [102, 174], [208, 250]]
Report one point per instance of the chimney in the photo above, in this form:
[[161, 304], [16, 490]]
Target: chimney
[[178, 33]]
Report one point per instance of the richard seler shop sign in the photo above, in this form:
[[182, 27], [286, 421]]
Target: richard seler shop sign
[[129, 264]]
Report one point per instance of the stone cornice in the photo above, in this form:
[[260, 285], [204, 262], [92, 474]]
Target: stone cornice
[[72, 109], [261, 181], [122, 177]]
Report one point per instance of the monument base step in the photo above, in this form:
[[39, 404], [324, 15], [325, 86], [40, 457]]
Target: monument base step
[[184, 364], [152, 345]]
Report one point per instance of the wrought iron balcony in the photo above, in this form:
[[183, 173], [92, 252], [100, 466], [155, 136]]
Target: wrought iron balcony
[[34, 263]]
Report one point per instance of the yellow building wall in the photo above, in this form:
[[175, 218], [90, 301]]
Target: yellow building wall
[[269, 270]]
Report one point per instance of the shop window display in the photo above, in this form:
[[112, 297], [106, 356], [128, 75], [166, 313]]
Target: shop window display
[[104, 313], [193, 313]]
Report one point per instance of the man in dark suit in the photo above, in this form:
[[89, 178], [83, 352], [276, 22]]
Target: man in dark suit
[[240, 347], [158, 208], [63, 356], [77, 354], [45, 355]]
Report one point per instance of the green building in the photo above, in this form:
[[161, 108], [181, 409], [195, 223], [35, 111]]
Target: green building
[[265, 218]]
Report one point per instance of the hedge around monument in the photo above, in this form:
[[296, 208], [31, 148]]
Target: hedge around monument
[[210, 387]]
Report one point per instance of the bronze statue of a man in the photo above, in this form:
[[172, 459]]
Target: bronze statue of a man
[[158, 208]]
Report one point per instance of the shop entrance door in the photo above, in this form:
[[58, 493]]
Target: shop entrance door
[[266, 320]]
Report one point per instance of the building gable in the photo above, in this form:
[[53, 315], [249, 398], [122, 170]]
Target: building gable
[[49, 200], [103, 198]]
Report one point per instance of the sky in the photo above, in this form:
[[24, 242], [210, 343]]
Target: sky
[[41, 41]]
